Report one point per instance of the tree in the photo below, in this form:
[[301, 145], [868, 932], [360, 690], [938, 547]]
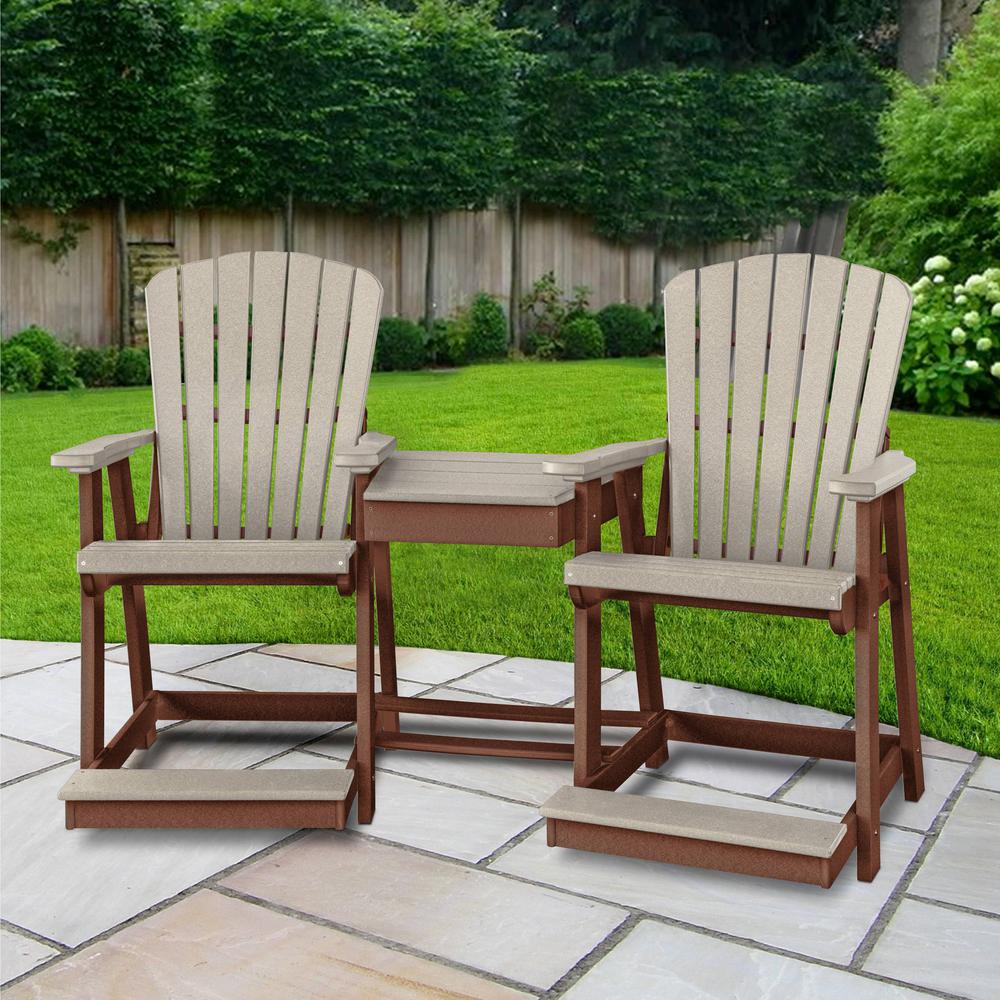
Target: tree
[[919, 39], [98, 105]]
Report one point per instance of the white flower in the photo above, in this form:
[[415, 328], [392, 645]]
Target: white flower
[[938, 279], [937, 263], [992, 274], [921, 284], [975, 283], [993, 291], [971, 318], [995, 311], [995, 369], [957, 289], [960, 300], [972, 365], [984, 344], [958, 335]]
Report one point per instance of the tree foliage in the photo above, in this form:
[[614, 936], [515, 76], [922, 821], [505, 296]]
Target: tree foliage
[[942, 165], [97, 101]]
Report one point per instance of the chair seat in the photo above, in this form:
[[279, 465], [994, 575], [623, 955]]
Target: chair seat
[[470, 478], [712, 579], [217, 556]]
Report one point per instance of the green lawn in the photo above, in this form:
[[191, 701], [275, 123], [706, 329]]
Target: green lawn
[[513, 600]]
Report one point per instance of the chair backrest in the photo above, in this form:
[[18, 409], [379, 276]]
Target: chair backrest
[[309, 327], [779, 367]]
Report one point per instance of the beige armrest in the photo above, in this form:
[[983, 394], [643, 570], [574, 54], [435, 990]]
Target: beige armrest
[[603, 461], [368, 454], [101, 452], [889, 470]]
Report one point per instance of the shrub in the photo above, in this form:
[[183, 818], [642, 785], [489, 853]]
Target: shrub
[[95, 366], [20, 368], [942, 164], [544, 313], [581, 337], [56, 357], [448, 342], [487, 328], [399, 346], [951, 358], [628, 330], [132, 367]]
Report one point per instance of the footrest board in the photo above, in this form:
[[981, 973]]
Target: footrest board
[[816, 838], [750, 842], [260, 799]]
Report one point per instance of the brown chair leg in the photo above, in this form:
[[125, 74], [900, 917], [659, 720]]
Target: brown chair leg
[[91, 677], [866, 762], [387, 721], [365, 672], [587, 687], [647, 668], [137, 641], [902, 645]]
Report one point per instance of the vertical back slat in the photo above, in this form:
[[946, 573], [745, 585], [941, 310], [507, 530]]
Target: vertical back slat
[[883, 366], [753, 303], [331, 333], [366, 305], [715, 316], [679, 328], [296, 364], [234, 312], [863, 285], [268, 302], [197, 307], [165, 364], [791, 277], [825, 298]]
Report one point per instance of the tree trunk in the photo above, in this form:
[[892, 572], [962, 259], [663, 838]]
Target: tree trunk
[[429, 309], [514, 317], [957, 18], [919, 39], [289, 221], [124, 331]]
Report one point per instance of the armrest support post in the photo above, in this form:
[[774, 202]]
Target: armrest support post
[[91, 508]]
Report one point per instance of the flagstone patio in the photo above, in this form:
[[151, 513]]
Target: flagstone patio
[[452, 891]]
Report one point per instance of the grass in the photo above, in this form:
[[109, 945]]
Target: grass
[[513, 600]]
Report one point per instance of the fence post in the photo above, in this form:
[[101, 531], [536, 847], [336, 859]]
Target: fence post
[[514, 307], [289, 221], [429, 275], [124, 275]]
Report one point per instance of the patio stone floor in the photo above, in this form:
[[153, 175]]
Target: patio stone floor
[[451, 892]]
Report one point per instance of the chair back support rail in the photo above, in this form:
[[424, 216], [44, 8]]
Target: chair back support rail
[[258, 467], [780, 372]]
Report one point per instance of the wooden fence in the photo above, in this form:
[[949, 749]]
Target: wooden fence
[[472, 252]]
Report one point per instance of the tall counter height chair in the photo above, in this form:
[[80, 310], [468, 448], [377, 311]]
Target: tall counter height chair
[[243, 492], [753, 518]]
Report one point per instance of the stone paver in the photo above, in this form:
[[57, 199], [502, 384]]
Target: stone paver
[[941, 949], [526, 933], [963, 867], [450, 892], [657, 961], [208, 946]]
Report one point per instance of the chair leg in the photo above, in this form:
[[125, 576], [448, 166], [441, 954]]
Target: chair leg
[[387, 721], [902, 646], [866, 761], [587, 693], [137, 641], [91, 677], [365, 672], [647, 668]]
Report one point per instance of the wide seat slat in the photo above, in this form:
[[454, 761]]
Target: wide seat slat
[[216, 557], [187, 785], [712, 579], [674, 818]]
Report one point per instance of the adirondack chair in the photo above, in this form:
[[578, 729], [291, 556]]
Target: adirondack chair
[[216, 520], [753, 518]]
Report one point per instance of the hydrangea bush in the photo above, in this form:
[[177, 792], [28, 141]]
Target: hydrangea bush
[[951, 360]]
